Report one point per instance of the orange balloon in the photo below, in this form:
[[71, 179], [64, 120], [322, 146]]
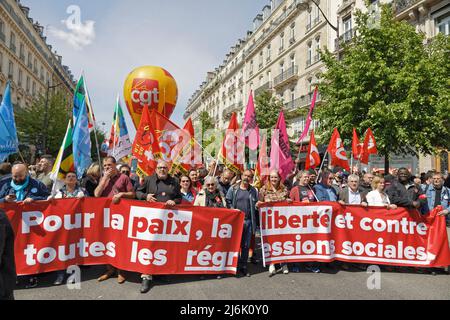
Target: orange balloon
[[153, 86]]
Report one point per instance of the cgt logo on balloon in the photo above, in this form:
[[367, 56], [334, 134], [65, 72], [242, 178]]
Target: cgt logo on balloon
[[144, 91]]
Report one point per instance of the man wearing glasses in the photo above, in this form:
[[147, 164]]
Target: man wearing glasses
[[160, 187]]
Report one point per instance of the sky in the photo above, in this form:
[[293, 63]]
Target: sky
[[187, 38]]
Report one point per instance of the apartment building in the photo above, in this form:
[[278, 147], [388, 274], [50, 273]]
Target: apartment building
[[281, 54], [26, 60]]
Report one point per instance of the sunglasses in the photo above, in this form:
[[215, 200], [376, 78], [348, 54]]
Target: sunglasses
[[162, 168], [210, 185], [185, 181]]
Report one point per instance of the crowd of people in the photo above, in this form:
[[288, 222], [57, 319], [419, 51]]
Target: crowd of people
[[219, 187]]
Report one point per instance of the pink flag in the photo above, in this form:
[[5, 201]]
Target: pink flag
[[280, 153], [309, 119], [250, 127]]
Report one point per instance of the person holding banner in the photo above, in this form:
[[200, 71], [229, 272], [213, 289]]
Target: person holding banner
[[303, 191], [244, 197], [22, 188], [160, 187], [116, 186], [210, 196], [378, 196], [324, 190], [7, 262], [71, 189], [274, 191], [91, 180]]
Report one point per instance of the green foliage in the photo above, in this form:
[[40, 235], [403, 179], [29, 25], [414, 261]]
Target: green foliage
[[390, 81], [207, 124], [101, 136], [30, 122], [267, 109]]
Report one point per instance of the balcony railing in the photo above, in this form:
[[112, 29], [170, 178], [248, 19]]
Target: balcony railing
[[313, 23], [263, 88], [241, 82], [229, 110], [231, 89], [402, 5], [308, 62], [302, 102], [290, 73], [345, 38]]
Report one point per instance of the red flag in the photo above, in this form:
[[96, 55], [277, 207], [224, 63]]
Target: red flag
[[313, 157], [233, 148], [169, 136], [337, 151], [356, 146], [187, 151], [250, 127], [369, 147], [310, 116], [145, 147], [262, 167]]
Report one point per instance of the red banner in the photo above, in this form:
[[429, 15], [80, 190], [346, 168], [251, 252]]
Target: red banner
[[327, 231], [133, 236]]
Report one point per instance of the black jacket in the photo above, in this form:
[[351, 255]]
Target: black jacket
[[35, 190], [403, 196], [7, 264], [150, 186]]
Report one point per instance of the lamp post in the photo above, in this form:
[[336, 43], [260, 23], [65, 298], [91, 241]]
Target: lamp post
[[44, 139], [305, 3]]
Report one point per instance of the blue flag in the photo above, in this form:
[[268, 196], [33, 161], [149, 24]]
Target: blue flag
[[82, 142], [9, 144]]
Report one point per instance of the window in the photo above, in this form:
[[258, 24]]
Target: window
[[261, 60], [282, 68], [42, 73], [35, 66], [269, 75], [28, 84], [30, 61], [292, 61], [309, 22], [282, 42], [11, 70], [443, 24], [20, 78], [268, 53], [309, 55], [317, 56], [12, 44], [1, 62], [292, 39], [292, 93], [34, 88], [347, 28], [2, 31]]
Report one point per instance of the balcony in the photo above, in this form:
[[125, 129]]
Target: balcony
[[345, 38], [402, 5], [241, 82], [263, 88], [229, 110], [302, 102], [286, 76], [313, 23], [231, 89]]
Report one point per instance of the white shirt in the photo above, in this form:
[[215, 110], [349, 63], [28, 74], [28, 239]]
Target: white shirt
[[375, 198], [354, 197]]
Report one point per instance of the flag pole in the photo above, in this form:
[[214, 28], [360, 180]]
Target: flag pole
[[321, 166], [87, 96]]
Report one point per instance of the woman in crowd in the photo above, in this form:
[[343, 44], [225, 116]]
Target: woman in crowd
[[90, 182], [195, 183], [274, 191], [71, 189], [187, 191], [378, 197], [210, 196]]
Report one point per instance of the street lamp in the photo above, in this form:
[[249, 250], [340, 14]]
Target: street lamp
[[44, 142], [305, 4]]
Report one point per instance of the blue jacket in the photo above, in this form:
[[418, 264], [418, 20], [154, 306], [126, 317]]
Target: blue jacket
[[431, 196], [231, 199], [324, 193], [35, 190]]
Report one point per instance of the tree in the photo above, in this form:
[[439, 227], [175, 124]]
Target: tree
[[207, 124], [268, 109], [390, 81], [30, 122]]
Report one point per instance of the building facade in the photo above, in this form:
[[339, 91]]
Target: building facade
[[281, 54], [26, 60]]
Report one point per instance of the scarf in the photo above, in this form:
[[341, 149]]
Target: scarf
[[20, 189], [213, 200]]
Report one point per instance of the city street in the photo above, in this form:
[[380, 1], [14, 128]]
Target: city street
[[331, 284]]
